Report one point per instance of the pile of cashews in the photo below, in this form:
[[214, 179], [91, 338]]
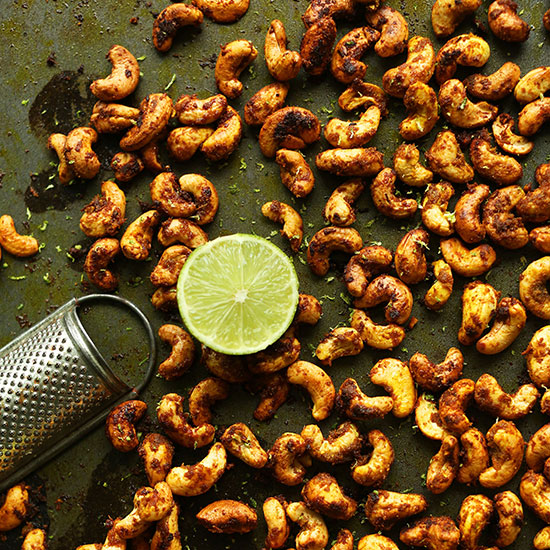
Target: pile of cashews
[[183, 205]]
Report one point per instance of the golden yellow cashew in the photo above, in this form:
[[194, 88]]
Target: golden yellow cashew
[[123, 79], [374, 335], [422, 111], [293, 227], [313, 534], [542, 538], [371, 471], [284, 459], [317, 44], [100, 255], [227, 11], [344, 540], [433, 533], [385, 508], [119, 425], [465, 261], [178, 230], [495, 86], [535, 492], [56, 142], [537, 451], [233, 59], [202, 398], [197, 112], [533, 116], [540, 239], [277, 356], [453, 404], [278, 529], [439, 293], [448, 14], [406, 163], [204, 195], [340, 446], [488, 163], [537, 356], [126, 166], [149, 154], [535, 206], [296, 175], [282, 64], [468, 222], [165, 298], [447, 159], [265, 102], [410, 260], [394, 30], [228, 516], [395, 377], [156, 451], [474, 456], [510, 517], [479, 305], [360, 161], [104, 215], [339, 209], [167, 534], [443, 466], [532, 287], [79, 154], [183, 142], [230, 368], [434, 377], [376, 542], [428, 419], [505, 22], [339, 342], [350, 134], [323, 494], [35, 539], [361, 95], [167, 270], [274, 389], [111, 118], [507, 140], [137, 239], [383, 193], [533, 85], [15, 508], [226, 138], [182, 355], [319, 9], [474, 515], [241, 442], [326, 241], [353, 403], [21, 246], [365, 264], [170, 20]]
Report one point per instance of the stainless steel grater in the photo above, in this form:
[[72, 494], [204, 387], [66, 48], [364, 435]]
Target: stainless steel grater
[[55, 386]]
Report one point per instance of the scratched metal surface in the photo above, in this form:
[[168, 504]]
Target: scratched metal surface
[[52, 51]]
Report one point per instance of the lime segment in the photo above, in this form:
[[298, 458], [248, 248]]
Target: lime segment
[[237, 294]]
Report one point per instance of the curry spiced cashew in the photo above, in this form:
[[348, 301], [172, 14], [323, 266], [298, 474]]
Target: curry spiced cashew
[[18, 245], [505, 22], [360, 161], [185, 141], [468, 222], [296, 175], [226, 138], [156, 451], [323, 494], [474, 516], [204, 196], [439, 293], [123, 79], [419, 67], [428, 419], [339, 342], [126, 166], [293, 227], [35, 539], [273, 388], [540, 239], [383, 193], [119, 425], [346, 64], [395, 377], [448, 14], [308, 311], [167, 533], [374, 335], [326, 241], [265, 102], [452, 406], [385, 508], [56, 142], [422, 111], [15, 507], [165, 298], [99, 256], [535, 205], [111, 118], [170, 20], [510, 320], [241, 442], [317, 44], [363, 265], [533, 116], [230, 368], [340, 446], [170, 198], [228, 517], [433, 533], [190, 481], [474, 456], [493, 166], [447, 159], [149, 154], [137, 239], [361, 95], [532, 287], [104, 215], [410, 260], [233, 59], [495, 86], [277, 356], [444, 465], [178, 230], [542, 538], [338, 9], [376, 542], [278, 529], [79, 154], [350, 134], [465, 49], [479, 305], [177, 424], [339, 209], [203, 396], [407, 166], [510, 517], [167, 270], [537, 357], [283, 64], [344, 540], [284, 459], [465, 261], [317, 383], [436, 377], [507, 140], [372, 470], [227, 11], [313, 532], [535, 491], [394, 30], [533, 85], [182, 355], [537, 451], [353, 403], [192, 111]]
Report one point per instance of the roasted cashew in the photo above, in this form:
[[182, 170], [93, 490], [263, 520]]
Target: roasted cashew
[[374, 335], [505, 22], [317, 383], [99, 256], [474, 515], [532, 287], [510, 319], [316, 46], [18, 245], [203, 396], [170, 20], [339, 342], [15, 507], [177, 425], [443, 466], [241, 442], [447, 159], [468, 262], [296, 174], [395, 377], [182, 355], [533, 85], [277, 356], [56, 142], [371, 471], [113, 541], [327, 240], [362, 95], [353, 403], [283, 461], [265, 102], [339, 207], [433, 533], [344, 540], [376, 542], [535, 206], [422, 111], [505, 444], [313, 534], [406, 163], [346, 64], [457, 109], [184, 142], [537, 356], [167, 270], [540, 239], [203, 193], [126, 166], [453, 404], [434, 377], [228, 516], [364, 265], [383, 193], [350, 134], [111, 118], [273, 388], [165, 298], [178, 230], [542, 538], [137, 239], [448, 14], [467, 213], [495, 86], [323, 494], [282, 64], [227, 11], [123, 79], [226, 138], [533, 116], [410, 261], [535, 492], [293, 227], [230, 368], [233, 59], [361, 161], [537, 451], [308, 311], [104, 215], [340, 446], [488, 163], [149, 154], [439, 293], [474, 456], [167, 534], [479, 305], [503, 130], [119, 425], [385, 508], [395, 292], [79, 154], [157, 453], [419, 67], [35, 539], [278, 529], [510, 518], [465, 49], [190, 481], [318, 9], [195, 112], [394, 31], [427, 418]]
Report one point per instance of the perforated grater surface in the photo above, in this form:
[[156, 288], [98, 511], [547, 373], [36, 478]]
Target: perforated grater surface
[[55, 386]]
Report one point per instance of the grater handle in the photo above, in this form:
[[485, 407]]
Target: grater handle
[[146, 324]]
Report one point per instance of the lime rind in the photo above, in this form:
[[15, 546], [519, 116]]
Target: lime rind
[[229, 304]]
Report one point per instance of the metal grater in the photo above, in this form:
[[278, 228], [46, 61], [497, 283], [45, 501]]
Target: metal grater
[[55, 386]]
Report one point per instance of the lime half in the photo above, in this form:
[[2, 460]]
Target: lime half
[[237, 294]]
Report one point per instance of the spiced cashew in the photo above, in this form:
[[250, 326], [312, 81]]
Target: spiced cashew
[[137, 239], [468, 222], [283, 459], [443, 466], [156, 451], [495, 86], [410, 260], [277, 356], [439, 293], [296, 175], [203, 396], [474, 515], [361, 95], [104, 215], [126, 166], [182, 355], [293, 227], [119, 425], [327, 240], [448, 14], [532, 287], [99, 256], [479, 305], [79, 154], [18, 245], [170, 20], [394, 31], [436, 377], [228, 517], [313, 532], [468, 262], [428, 419], [353, 403], [227, 11], [383, 193], [15, 508], [488, 163], [185, 141], [283, 64], [510, 517], [198, 112], [317, 44], [339, 342], [395, 377], [422, 111], [233, 59], [372, 470], [178, 230], [453, 404], [265, 102], [505, 22], [533, 85], [360, 161], [241, 442], [226, 137], [167, 271], [537, 356], [384, 509], [407, 166], [533, 116], [111, 118], [374, 335], [35, 539], [474, 457], [365, 264], [447, 159], [323, 494], [339, 209], [278, 529], [56, 142], [350, 134], [433, 533]]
